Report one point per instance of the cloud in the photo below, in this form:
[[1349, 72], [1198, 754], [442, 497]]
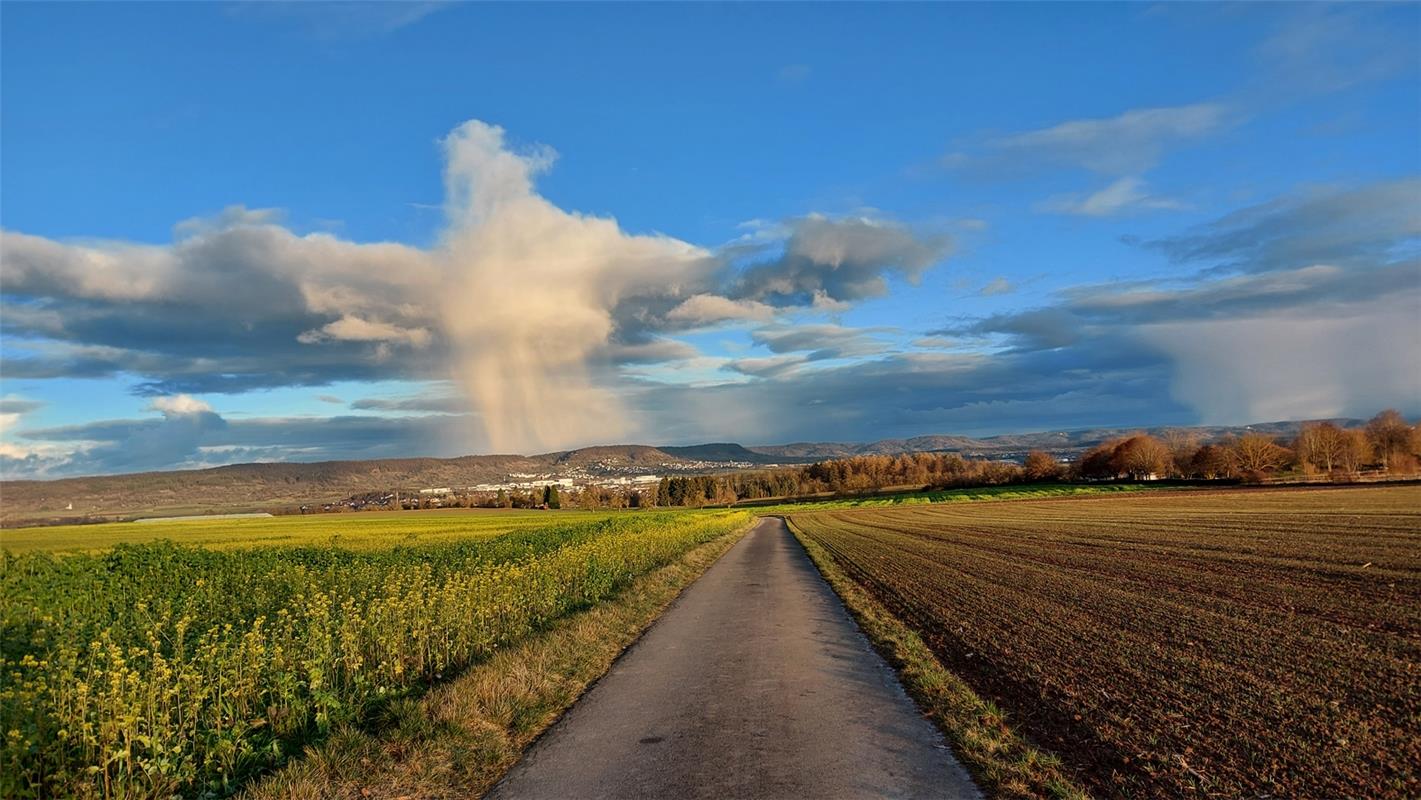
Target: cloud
[[523, 348], [1124, 195], [655, 350], [330, 398], [1126, 144], [840, 260], [446, 404], [909, 394], [997, 286], [1304, 363], [708, 309], [1306, 307], [178, 405], [1321, 48], [354, 329], [1343, 226], [223, 308], [192, 440], [766, 367], [14, 404], [821, 341], [535, 311], [29, 456]]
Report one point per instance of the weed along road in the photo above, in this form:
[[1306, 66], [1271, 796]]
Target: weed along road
[[755, 683]]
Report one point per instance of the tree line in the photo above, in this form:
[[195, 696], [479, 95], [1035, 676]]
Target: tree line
[[1386, 444]]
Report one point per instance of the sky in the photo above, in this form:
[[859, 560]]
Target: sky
[[257, 232]]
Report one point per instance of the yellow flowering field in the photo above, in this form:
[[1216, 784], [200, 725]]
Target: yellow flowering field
[[155, 669], [363, 530]]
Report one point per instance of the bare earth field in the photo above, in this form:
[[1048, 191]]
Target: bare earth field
[[1229, 643]]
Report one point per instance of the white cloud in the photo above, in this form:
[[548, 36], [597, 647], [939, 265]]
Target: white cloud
[[179, 404], [531, 295], [997, 286], [708, 309], [1123, 195], [354, 329], [1127, 143]]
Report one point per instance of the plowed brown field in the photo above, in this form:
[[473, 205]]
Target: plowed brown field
[[1228, 643]]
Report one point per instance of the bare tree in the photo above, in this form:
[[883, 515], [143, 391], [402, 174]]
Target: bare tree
[[1320, 444], [1182, 444], [1390, 437], [1356, 450]]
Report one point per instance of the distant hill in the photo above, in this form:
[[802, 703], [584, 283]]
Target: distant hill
[[731, 452], [254, 487]]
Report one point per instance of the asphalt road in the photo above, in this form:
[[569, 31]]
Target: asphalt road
[[755, 683]]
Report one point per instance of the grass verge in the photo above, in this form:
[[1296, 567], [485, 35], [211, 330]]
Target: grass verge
[[1003, 762], [458, 739]]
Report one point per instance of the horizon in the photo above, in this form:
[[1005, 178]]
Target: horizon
[[472, 229], [1123, 430]]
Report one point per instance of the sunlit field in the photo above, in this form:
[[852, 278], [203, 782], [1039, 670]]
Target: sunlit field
[[355, 530], [162, 668]]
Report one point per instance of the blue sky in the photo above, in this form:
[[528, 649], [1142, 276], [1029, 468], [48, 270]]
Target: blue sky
[[259, 231]]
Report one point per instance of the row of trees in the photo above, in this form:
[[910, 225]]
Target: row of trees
[[842, 476], [1386, 444]]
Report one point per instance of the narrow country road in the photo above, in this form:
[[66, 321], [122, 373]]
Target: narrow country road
[[755, 683]]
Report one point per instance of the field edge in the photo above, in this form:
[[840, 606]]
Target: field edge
[[1003, 762], [462, 737]]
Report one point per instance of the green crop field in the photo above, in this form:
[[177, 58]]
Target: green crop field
[[355, 530], [1254, 643], [973, 494], [161, 668]]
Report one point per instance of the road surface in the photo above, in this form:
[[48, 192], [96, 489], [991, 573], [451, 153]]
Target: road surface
[[755, 683]]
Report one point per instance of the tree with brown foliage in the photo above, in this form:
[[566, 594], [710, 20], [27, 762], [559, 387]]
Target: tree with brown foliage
[[1141, 457], [1256, 454], [1212, 462], [1040, 466], [1097, 463]]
